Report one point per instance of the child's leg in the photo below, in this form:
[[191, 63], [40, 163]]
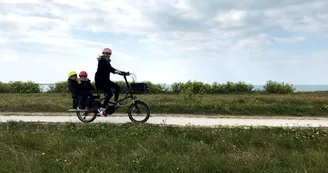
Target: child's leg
[[89, 100], [82, 99]]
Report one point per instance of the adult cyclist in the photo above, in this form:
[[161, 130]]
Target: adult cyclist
[[102, 77]]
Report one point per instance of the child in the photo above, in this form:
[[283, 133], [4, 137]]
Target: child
[[86, 96], [73, 87]]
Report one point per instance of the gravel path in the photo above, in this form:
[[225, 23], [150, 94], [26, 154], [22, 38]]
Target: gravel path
[[176, 119]]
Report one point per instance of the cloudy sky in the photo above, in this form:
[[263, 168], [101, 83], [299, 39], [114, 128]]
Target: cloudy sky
[[166, 41]]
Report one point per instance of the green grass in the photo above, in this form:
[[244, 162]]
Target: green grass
[[75, 148], [298, 104]]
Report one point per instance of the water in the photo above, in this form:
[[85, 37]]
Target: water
[[298, 88]]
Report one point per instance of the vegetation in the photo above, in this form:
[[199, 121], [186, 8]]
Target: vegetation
[[275, 87], [297, 104], [195, 86], [20, 87], [191, 98], [75, 148]]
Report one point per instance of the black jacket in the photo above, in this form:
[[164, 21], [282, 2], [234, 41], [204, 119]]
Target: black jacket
[[74, 87], [87, 86], [102, 76]]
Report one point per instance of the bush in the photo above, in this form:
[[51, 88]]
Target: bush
[[59, 87], [157, 88], [177, 87], [196, 87], [231, 87], [217, 88], [20, 87], [239, 87], [193, 92], [190, 97], [279, 88], [24, 87], [4, 87]]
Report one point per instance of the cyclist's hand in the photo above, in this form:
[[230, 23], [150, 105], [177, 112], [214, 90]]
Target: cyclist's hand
[[122, 73], [125, 73], [118, 72]]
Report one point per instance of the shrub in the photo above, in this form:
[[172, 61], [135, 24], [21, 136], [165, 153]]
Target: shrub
[[157, 88], [280, 88], [59, 87], [217, 88], [177, 87], [24, 87], [4, 87], [231, 87], [239, 87], [197, 87], [192, 92]]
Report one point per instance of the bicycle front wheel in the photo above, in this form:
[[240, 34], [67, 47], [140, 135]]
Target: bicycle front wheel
[[141, 110]]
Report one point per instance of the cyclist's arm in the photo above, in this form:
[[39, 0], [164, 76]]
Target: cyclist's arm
[[112, 69]]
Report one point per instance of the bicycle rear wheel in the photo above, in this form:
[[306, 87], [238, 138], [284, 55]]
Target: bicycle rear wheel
[[86, 117], [137, 107]]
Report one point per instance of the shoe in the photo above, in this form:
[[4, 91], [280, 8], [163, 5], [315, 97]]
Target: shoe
[[102, 111]]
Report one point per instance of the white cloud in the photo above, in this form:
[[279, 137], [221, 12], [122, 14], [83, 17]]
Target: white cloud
[[177, 40], [233, 17]]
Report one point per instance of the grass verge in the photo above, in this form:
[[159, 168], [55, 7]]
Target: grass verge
[[71, 147], [298, 104]]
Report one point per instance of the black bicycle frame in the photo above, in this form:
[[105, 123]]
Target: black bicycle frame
[[127, 95]]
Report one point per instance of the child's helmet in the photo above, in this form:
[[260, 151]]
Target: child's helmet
[[83, 74], [72, 73]]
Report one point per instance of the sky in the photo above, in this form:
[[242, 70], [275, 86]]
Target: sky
[[166, 41]]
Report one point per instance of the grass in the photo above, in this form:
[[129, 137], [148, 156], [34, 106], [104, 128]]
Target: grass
[[298, 104], [55, 147]]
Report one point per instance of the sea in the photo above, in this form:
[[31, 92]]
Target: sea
[[298, 88], [302, 88]]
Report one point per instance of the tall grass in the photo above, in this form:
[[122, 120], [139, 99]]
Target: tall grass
[[297, 104], [75, 148]]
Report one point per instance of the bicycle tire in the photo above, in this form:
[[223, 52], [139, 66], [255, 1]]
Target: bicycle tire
[[137, 103]]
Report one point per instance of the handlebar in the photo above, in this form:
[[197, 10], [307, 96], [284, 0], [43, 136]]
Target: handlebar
[[125, 73], [133, 76]]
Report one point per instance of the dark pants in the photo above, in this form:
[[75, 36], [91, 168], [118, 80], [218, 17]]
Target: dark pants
[[109, 93], [85, 99]]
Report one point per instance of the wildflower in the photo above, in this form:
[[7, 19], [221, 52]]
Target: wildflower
[[43, 153]]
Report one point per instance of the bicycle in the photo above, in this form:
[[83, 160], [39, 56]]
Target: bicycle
[[132, 88]]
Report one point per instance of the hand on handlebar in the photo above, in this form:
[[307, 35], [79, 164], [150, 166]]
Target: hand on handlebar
[[125, 73], [122, 73]]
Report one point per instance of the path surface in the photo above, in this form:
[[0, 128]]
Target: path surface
[[174, 119]]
